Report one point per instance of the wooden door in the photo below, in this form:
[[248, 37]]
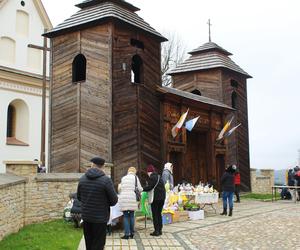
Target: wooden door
[[220, 162]]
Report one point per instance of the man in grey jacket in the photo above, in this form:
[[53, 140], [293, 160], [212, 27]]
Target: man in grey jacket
[[97, 194]]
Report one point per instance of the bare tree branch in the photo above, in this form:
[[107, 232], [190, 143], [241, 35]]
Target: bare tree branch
[[173, 53]]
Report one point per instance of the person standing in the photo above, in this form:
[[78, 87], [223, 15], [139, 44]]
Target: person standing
[[237, 184], [227, 183], [297, 179], [128, 200], [167, 175], [97, 194], [155, 182]]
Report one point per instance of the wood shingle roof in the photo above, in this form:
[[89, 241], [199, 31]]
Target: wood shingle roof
[[103, 11], [210, 46], [193, 97], [208, 56], [123, 3]]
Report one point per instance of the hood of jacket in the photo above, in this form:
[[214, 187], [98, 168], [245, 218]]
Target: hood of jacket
[[94, 173], [168, 166]]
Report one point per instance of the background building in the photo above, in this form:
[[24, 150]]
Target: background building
[[22, 23]]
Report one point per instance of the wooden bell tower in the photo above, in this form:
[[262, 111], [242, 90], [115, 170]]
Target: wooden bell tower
[[105, 71]]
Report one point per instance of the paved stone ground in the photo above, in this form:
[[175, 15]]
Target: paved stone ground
[[254, 225]]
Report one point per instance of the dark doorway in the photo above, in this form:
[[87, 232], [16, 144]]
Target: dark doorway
[[178, 171], [220, 164]]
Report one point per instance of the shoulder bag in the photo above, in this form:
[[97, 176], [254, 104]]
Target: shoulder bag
[[136, 190], [151, 193]]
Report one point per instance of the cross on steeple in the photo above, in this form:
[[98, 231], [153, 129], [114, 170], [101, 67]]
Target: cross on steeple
[[209, 24]]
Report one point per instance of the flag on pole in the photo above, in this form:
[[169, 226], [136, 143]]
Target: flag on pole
[[226, 127], [189, 125], [232, 130], [179, 124]]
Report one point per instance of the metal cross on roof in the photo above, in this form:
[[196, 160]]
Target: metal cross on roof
[[209, 24]]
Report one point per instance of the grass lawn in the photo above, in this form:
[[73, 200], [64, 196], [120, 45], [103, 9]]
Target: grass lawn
[[54, 235], [264, 197]]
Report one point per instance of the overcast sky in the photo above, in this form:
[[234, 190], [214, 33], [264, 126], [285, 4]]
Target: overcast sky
[[264, 38]]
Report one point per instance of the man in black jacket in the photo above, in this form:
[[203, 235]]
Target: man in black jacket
[[155, 182], [97, 194]]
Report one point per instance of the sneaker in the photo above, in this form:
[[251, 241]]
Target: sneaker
[[131, 236], [125, 237]]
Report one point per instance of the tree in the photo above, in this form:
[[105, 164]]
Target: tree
[[173, 53]]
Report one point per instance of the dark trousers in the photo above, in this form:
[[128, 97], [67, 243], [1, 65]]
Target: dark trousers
[[94, 235], [237, 192], [156, 208]]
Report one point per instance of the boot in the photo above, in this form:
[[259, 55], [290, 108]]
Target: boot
[[230, 212], [224, 211]]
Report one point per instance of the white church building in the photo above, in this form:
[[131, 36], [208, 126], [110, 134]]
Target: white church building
[[21, 24]]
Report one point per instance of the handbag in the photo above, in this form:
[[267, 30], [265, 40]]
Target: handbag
[[151, 193], [136, 190]]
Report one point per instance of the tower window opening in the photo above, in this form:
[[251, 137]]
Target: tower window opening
[[136, 69], [234, 101], [79, 69], [196, 92], [137, 43]]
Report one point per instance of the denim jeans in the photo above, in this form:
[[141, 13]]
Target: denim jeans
[[128, 221], [229, 196]]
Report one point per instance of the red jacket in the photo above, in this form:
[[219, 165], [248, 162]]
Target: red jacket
[[237, 179]]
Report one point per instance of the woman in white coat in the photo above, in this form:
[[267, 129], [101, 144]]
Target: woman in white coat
[[127, 200]]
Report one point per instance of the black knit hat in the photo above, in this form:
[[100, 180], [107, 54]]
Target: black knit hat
[[98, 161]]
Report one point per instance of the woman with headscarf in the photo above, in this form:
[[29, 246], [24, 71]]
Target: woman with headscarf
[[128, 200], [156, 184], [167, 175]]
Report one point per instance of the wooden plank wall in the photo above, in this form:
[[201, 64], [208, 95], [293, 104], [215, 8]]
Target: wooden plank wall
[[64, 106], [136, 119], [81, 112], [207, 82], [239, 141], [95, 113]]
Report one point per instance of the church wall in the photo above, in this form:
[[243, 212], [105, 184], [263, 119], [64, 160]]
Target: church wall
[[238, 143], [32, 100], [8, 15]]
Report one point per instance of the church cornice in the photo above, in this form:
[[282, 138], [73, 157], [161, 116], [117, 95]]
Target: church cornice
[[21, 77], [15, 87]]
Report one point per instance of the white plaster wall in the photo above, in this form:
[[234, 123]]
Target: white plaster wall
[[36, 28], [31, 152]]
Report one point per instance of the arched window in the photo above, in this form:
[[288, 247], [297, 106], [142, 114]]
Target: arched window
[[79, 69], [11, 121], [234, 83], [196, 92], [17, 130], [137, 69], [234, 101], [22, 23], [7, 49]]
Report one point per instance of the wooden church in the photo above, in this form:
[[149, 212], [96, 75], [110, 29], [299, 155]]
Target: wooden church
[[107, 99]]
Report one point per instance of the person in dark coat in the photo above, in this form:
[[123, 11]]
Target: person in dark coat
[[97, 194], [227, 184], [156, 182]]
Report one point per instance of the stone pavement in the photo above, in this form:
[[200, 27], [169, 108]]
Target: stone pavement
[[254, 225]]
